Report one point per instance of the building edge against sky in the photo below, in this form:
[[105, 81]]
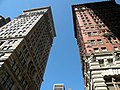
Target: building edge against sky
[[25, 44], [96, 28], [4, 21]]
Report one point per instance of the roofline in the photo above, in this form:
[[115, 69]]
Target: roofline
[[74, 17], [93, 3], [74, 22], [34, 9], [46, 7]]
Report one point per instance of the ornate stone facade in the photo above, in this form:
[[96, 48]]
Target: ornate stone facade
[[96, 28]]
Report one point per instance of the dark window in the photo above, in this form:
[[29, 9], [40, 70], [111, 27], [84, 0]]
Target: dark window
[[104, 49], [89, 34], [93, 42], [96, 50], [100, 41], [101, 62]]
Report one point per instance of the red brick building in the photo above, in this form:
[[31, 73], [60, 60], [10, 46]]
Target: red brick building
[[97, 30]]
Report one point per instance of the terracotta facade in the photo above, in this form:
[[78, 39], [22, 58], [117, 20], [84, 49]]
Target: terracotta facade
[[96, 29]]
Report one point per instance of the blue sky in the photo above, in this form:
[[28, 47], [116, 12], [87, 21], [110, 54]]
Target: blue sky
[[64, 61]]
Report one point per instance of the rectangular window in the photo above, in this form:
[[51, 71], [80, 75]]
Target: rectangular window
[[100, 41], [95, 33], [96, 50], [104, 49], [101, 62], [116, 49], [93, 42], [4, 48], [83, 20], [9, 47], [85, 24], [90, 24], [88, 20], [1, 42], [117, 42], [110, 61], [89, 34], [87, 28]]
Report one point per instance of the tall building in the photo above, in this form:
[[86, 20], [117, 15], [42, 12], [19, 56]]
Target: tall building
[[3, 20], [25, 44], [58, 87], [97, 30]]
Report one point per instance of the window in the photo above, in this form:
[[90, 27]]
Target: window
[[110, 41], [100, 41], [110, 61], [93, 42], [101, 62], [117, 42], [4, 48], [89, 34], [92, 28], [90, 24], [95, 33], [104, 49], [116, 49], [83, 20], [2, 54], [96, 50], [87, 28], [86, 17], [9, 84], [9, 47], [85, 24], [1, 42], [88, 20], [14, 41]]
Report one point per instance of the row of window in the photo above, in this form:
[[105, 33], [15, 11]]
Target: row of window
[[15, 25], [103, 62], [89, 28], [99, 41], [103, 49], [94, 34], [88, 24]]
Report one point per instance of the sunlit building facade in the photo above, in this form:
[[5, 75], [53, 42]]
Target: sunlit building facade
[[97, 30], [25, 44]]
